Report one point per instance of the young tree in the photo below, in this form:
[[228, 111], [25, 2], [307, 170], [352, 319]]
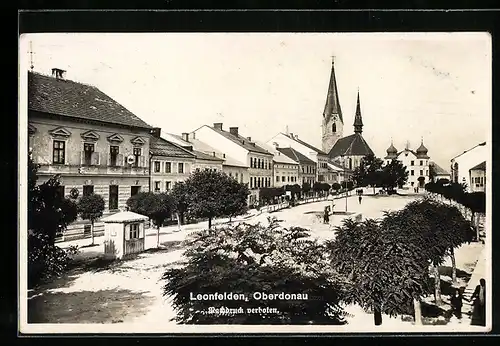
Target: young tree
[[372, 166], [157, 206], [394, 175], [336, 187], [180, 201], [49, 213], [317, 188], [306, 188], [476, 203], [236, 195], [385, 271], [325, 188], [212, 194], [91, 208], [243, 259]]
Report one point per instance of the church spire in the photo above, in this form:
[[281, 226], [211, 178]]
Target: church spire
[[332, 105], [358, 121]]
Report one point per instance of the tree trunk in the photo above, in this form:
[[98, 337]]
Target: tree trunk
[[377, 316], [92, 231], [437, 286], [158, 236], [417, 312], [453, 266], [178, 220], [474, 224], [209, 223]]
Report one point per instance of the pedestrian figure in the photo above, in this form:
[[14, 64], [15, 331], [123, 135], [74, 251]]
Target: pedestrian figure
[[360, 198], [479, 311], [326, 217], [456, 303]]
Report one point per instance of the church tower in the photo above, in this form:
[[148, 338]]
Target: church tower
[[333, 123], [358, 121]]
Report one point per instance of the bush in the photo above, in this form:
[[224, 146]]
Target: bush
[[244, 259], [45, 260]]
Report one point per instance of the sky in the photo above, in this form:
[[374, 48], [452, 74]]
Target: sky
[[412, 86]]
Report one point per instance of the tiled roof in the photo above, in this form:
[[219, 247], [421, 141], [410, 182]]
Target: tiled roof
[[481, 166], [203, 156], [242, 141], [162, 147], [296, 156], [354, 144], [72, 99], [307, 145], [172, 137], [437, 169]]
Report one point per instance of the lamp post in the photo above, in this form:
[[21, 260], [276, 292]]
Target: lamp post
[[345, 181]]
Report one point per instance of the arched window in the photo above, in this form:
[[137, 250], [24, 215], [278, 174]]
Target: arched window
[[334, 127]]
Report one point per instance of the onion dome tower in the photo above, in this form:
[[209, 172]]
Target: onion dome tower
[[422, 151], [392, 152]]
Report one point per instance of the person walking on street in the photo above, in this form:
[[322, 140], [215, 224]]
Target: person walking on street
[[456, 303], [479, 311], [360, 198], [326, 217]]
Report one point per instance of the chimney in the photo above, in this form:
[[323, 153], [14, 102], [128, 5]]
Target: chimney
[[234, 131], [214, 153], [249, 139], [58, 73], [156, 132], [218, 126], [185, 137], [291, 135], [194, 135]]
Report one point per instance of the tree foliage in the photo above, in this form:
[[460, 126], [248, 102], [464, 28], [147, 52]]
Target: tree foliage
[[384, 270], [91, 207], [180, 199], [215, 194], [367, 173], [156, 206], [306, 188], [269, 194], [394, 175], [243, 259], [336, 186], [49, 213]]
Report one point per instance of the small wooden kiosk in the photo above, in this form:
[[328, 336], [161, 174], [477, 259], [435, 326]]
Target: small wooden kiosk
[[123, 234]]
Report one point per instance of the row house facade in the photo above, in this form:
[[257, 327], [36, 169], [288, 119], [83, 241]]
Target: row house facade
[[478, 178], [462, 164], [232, 167], [240, 152], [169, 163], [285, 170], [323, 170], [307, 167], [90, 140], [206, 158]]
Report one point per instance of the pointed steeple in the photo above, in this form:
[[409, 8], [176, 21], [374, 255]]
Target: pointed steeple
[[358, 121], [332, 105]]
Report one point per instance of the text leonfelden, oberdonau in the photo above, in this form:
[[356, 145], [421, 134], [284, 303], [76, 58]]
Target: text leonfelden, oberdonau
[[221, 296]]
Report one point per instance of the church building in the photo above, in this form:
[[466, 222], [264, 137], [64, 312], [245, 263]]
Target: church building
[[348, 151]]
